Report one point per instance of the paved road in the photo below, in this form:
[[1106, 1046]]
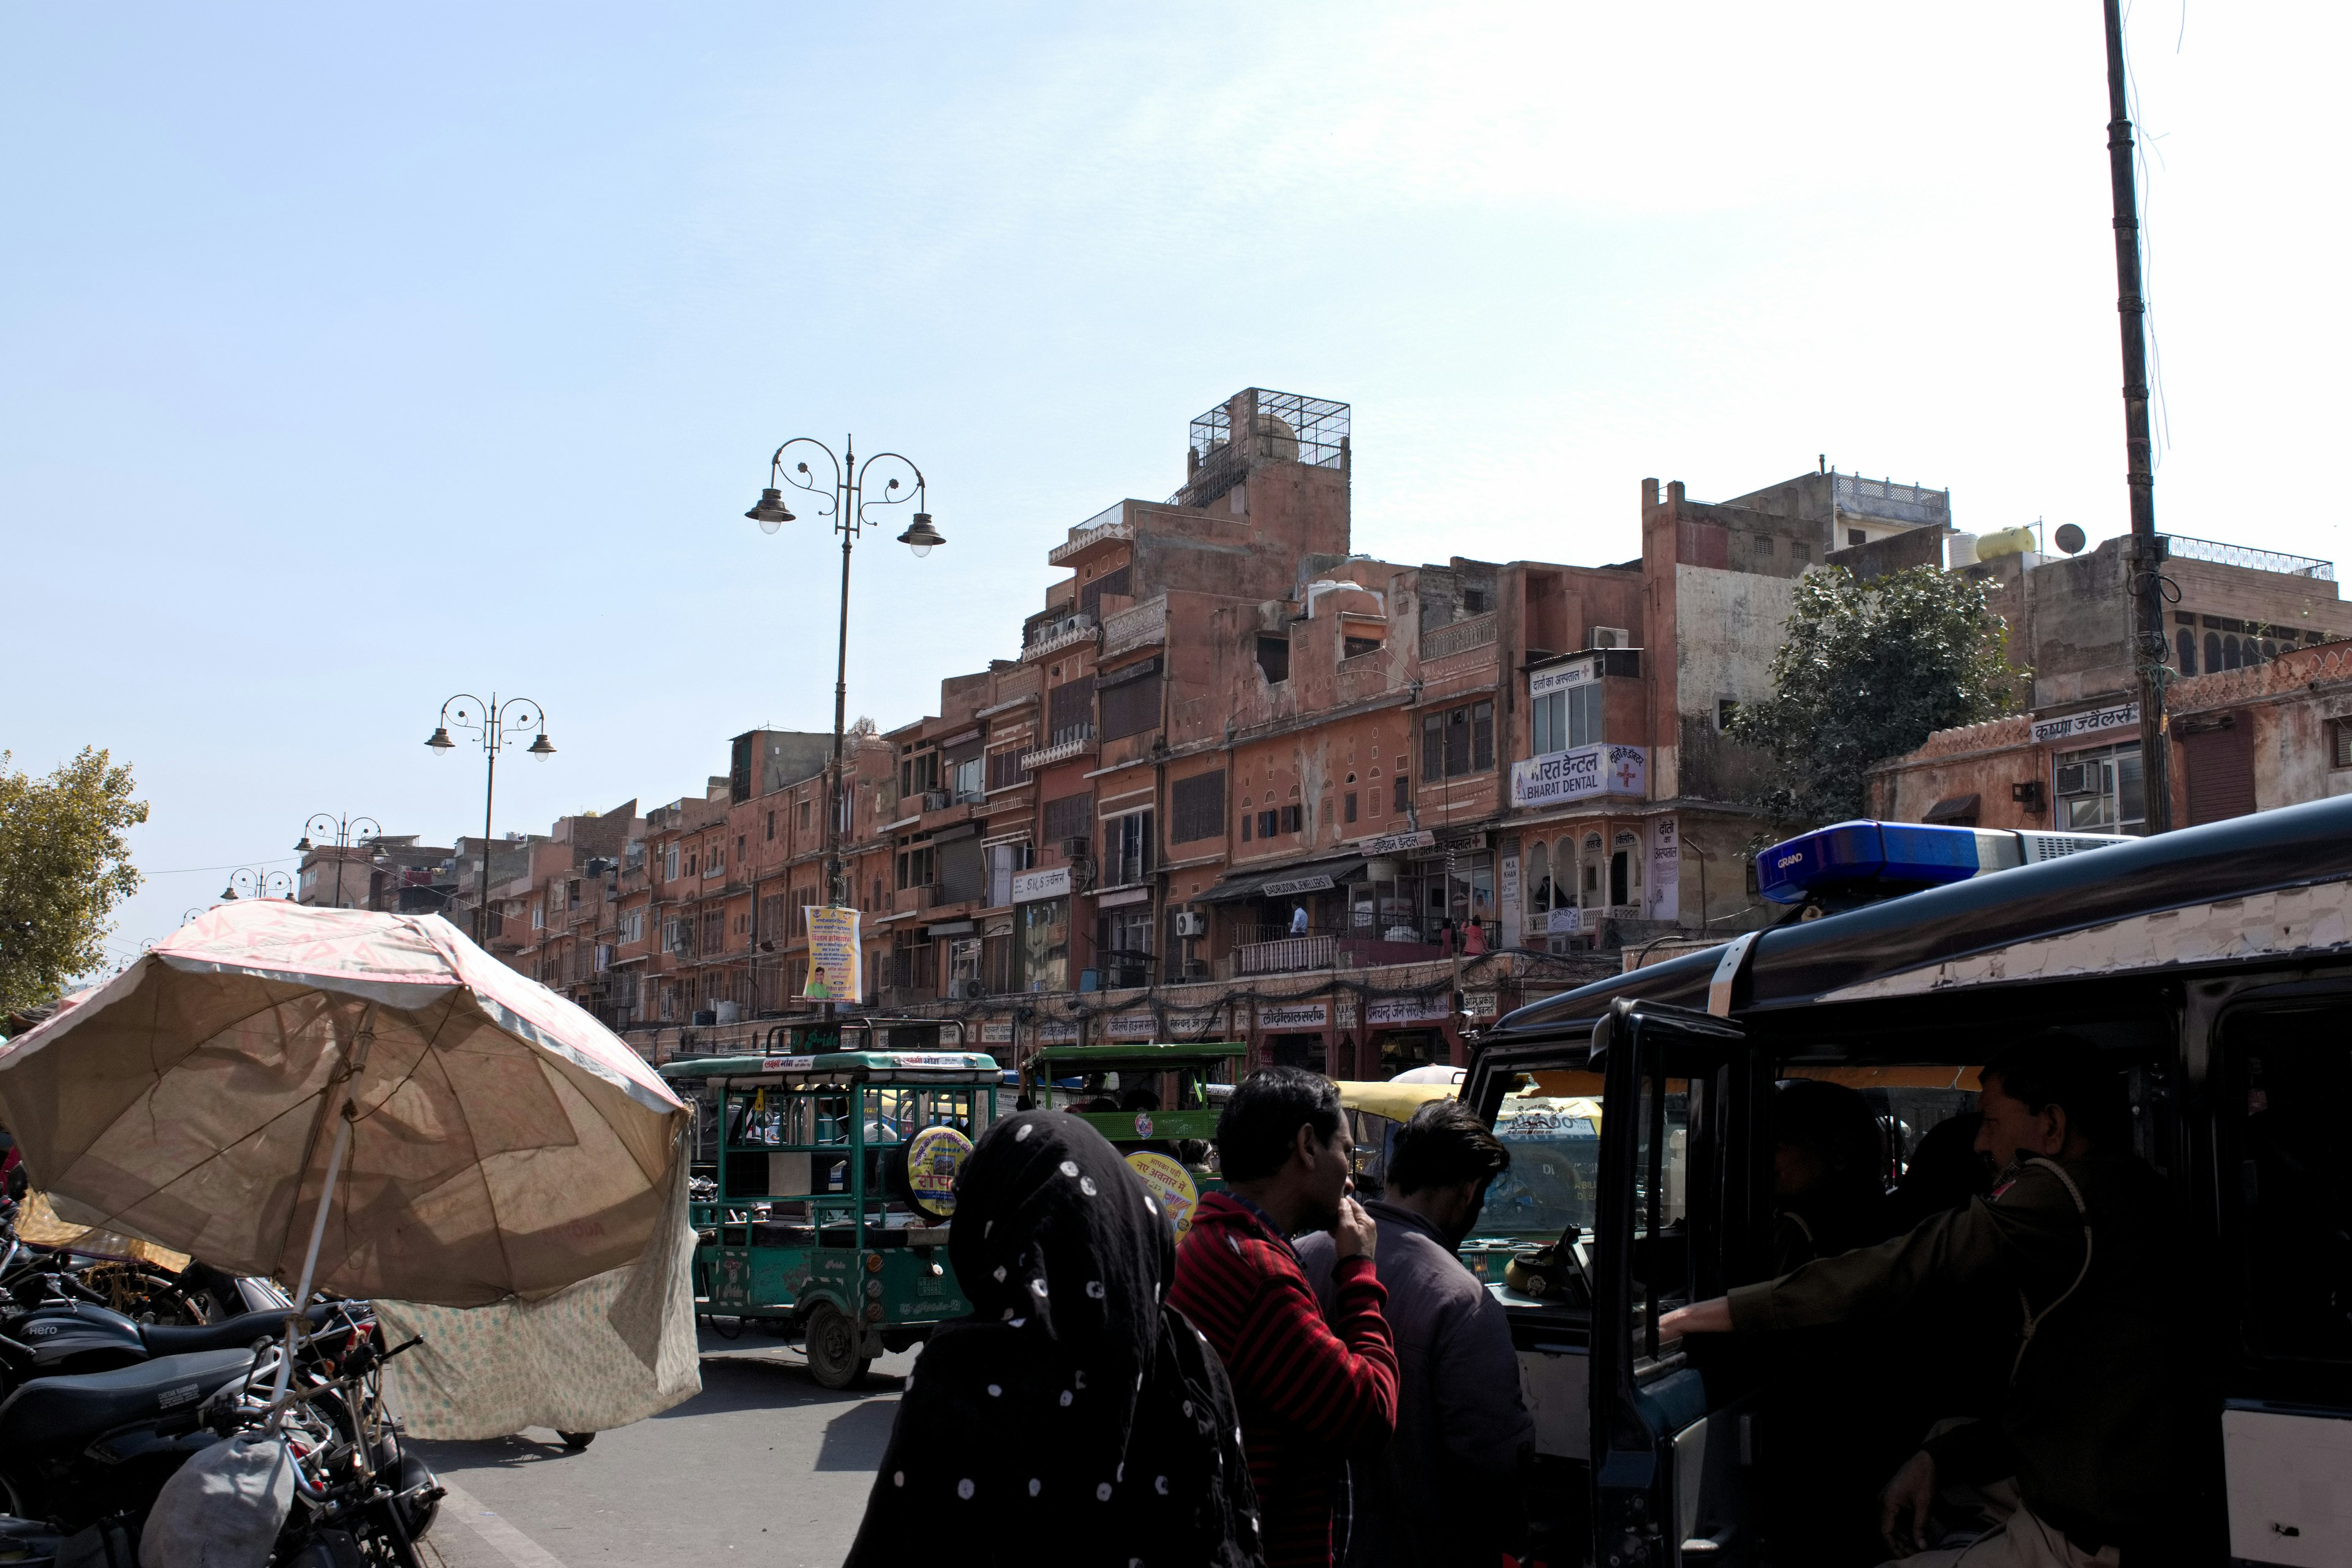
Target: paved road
[[763, 1466]]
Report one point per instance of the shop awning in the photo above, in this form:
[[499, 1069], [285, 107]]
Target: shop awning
[[1286, 882], [1958, 808]]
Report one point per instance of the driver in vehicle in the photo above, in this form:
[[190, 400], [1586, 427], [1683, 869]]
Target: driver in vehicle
[[2104, 1427]]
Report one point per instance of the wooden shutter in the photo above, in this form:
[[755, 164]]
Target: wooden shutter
[[1199, 806]]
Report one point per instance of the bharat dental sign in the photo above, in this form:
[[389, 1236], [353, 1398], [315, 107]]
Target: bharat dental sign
[[2124, 715], [1587, 773]]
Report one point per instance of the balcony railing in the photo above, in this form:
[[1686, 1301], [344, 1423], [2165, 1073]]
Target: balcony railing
[[1145, 625], [1106, 526], [1075, 742], [1460, 637], [2181, 548], [1286, 952], [1053, 636]]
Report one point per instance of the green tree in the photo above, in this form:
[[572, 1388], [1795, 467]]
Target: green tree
[[64, 864], [1867, 672]]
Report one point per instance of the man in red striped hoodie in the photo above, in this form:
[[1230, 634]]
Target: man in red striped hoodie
[[1310, 1391]]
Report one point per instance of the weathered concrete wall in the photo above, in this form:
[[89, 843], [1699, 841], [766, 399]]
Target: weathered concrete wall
[[1729, 625]]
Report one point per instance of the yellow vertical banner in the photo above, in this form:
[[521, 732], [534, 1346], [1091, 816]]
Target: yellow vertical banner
[[835, 960]]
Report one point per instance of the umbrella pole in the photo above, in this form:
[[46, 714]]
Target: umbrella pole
[[310, 1258]]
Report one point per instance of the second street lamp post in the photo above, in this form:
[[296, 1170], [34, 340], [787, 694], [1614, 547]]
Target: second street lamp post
[[252, 882], [497, 725], [342, 830], [844, 500]]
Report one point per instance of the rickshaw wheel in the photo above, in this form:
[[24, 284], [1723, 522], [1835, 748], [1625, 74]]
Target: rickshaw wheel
[[832, 1343], [575, 1441]]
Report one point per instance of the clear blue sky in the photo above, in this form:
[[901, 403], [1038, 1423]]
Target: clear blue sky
[[351, 357]]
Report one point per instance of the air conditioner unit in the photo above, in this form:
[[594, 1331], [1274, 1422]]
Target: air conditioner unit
[[938, 799], [1608, 637], [1191, 922], [972, 990]]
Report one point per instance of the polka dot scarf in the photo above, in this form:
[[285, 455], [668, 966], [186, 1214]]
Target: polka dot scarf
[[1074, 1417]]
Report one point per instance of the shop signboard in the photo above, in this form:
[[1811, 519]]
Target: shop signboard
[[2099, 722], [1558, 922], [1133, 1026], [1057, 1032], [1397, 843], [1482, 1003], [1296, 885], [1275, 1018], [836, 963], [1195, 1023], [1392, 1012], [1588, 772], [1053, 882], [1560, 677], [1665, 878], [996, 1031]]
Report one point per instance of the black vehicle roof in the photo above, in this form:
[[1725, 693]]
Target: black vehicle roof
[[2293, 846]]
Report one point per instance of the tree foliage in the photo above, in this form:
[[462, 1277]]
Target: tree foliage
[[1868, 670], [64, 866]]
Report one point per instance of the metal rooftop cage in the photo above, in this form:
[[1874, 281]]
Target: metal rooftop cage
[[1289, 427]]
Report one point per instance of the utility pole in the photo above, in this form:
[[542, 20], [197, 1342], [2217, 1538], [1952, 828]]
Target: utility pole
[[2145, 565]]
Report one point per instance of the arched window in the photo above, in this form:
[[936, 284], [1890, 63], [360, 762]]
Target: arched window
[[2270, 649], [2231, 658], [2212, 652], [2188, 641], [1538, 878]]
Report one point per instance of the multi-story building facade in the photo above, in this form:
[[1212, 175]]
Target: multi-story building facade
[[1237, 781]]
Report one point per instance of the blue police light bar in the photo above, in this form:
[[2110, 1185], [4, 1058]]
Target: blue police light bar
[[1903, 857]]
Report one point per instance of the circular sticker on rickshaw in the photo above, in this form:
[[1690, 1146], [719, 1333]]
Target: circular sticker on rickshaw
[[1143, 1124], [1169, 1183], [934, 1158]]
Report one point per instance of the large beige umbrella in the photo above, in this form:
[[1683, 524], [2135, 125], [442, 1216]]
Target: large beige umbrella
[[276, 1086]]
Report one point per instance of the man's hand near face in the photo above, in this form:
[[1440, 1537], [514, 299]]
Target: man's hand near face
[[1355, 1235]]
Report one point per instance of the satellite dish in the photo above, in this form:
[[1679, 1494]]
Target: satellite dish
[[2069, 538]]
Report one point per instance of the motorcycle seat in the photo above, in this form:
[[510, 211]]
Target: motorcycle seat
[[52, 1416], [230, 1333]]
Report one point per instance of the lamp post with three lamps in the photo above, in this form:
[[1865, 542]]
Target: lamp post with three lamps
[[497, 725], [845, 502], [342, 830]]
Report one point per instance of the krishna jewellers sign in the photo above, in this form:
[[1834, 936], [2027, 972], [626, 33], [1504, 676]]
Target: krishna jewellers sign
[[2099, 722], [1584, 773]]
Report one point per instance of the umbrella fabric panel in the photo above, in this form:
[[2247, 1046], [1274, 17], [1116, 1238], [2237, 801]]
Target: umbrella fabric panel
[[188, 1103]]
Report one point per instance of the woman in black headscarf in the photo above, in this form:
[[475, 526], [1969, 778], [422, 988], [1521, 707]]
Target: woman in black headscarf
[[1073, 1419]]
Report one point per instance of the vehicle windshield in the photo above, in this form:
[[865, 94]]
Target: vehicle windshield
[[1555, 1147]]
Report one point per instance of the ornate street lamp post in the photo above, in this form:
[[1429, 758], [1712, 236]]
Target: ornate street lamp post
[[252, 882], [844, 501], [343, 830], [497, 725]]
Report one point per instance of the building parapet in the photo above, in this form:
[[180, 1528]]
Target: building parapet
[[1145, 625], [1061, 750], [1885, 499], [1106, 527], [1460, 637]]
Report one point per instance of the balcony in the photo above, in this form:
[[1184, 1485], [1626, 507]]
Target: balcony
[[1095, 536], [1145, 625], [2179, 547], [1460, 637], [1273, 950], [1078, 741], [1075, 629], [923, 895]]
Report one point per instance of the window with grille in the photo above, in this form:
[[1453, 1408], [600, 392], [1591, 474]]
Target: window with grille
[[2339, 732], [1127, 848], [1130, 707], [1070, 712], [1198, 806], [1397, 787], [1457, 741], [1072, 817], [1005, 768], [714, 929]]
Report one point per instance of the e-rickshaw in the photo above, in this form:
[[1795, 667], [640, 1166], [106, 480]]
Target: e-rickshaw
[[1551, 1124], [1168, 1131], [834, 1190], [2212, 965]]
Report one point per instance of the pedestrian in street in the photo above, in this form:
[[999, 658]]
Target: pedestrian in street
[[1451, 1489], [1073, 1419], [2105, 1426], [1311, 1392]]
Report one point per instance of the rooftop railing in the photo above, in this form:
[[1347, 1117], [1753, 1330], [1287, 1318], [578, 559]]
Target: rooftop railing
[[2183, 548]]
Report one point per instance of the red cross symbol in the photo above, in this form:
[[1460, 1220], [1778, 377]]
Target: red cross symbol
[[1625, 775]]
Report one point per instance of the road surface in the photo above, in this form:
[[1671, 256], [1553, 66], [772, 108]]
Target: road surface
[[763, 1466]]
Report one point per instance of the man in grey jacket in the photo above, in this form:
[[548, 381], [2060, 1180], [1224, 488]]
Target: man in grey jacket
[[1448, 1489]]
